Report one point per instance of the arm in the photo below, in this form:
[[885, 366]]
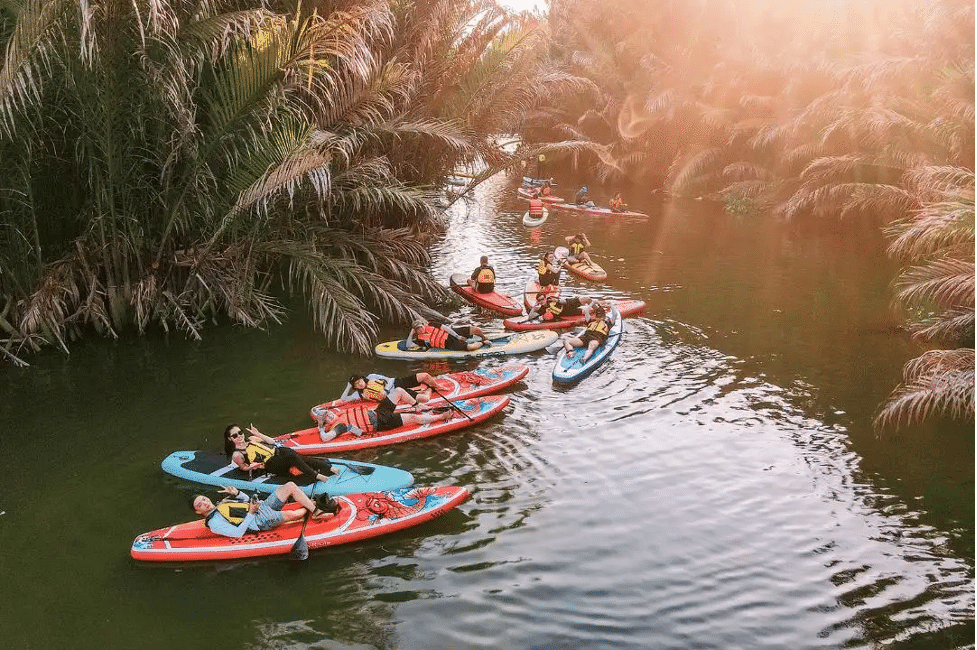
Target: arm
[[260, 436], [451, 332]]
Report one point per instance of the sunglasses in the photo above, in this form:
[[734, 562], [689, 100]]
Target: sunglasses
[[236, 435]]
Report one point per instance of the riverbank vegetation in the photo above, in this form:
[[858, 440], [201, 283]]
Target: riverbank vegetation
[[824, 109], [166, 163]]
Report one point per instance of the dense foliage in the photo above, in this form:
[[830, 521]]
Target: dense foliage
[[166, 162], [822, 109]]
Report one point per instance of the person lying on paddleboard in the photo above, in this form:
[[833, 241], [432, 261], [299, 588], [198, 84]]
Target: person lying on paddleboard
[[238, 514], [375, 386], [595, 334], [551, 308], [482, 279], [440, 335], [578, 248], [262, 453], [548, 270], [361, 419]]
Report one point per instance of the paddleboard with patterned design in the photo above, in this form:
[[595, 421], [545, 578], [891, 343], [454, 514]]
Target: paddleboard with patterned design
[[502, 344]]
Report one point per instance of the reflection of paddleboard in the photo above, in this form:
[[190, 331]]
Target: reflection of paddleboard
[[570, 368], [505, 305], [528, 220], [360, 516]]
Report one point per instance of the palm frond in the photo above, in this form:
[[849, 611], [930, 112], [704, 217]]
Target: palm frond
[[940, 382]]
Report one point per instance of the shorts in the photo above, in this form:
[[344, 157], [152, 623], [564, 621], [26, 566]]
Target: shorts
[[407, 382], [269, 513], [572, 307], [589, 336], [385, 417]]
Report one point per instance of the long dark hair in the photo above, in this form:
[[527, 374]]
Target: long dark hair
[[229, 446]]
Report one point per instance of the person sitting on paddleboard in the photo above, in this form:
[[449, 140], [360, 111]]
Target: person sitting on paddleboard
[[547, 188], [617, 203], [548, 270], [552, 308], [595, 334], [262, 453], [361, 419], [578, 244], [238, 514], [583, 198], [435, 334], [536, 206], [482, 279], [375, 386]]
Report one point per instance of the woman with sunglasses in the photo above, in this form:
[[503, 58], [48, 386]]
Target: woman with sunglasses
[[262, 453]]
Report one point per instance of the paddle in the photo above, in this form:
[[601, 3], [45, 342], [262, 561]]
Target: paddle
[[300, 549], [456, 407], [356, 469]]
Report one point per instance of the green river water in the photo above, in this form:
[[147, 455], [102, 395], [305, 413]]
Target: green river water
[[717, 484]]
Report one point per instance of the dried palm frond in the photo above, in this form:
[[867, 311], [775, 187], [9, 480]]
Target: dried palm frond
[[940, 382]]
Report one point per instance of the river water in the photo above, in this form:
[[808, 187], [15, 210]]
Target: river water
[[717, 484]]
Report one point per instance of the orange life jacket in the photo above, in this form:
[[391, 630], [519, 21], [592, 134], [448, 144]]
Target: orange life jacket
[[536, 207], [616, 203], [546, 190], [375, 389], [356, 416], [435, 337]]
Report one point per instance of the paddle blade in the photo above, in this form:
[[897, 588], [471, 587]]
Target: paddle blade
[[362, 471], [300, 549]]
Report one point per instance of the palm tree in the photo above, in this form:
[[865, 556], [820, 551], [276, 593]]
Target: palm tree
[[938, 289]]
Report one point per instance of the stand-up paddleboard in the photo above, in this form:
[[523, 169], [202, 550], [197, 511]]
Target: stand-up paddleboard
[[523, 193], [210, 468], [499, 302], [453, 386], [463, 413], [570, 368], [360, 516], [531, 222], [533, 289], [588, 271], [573, 207], [624, 307], [502, 344]]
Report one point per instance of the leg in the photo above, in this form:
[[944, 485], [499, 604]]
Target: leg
[[425, 418], [571, 342], [398, 395], [590, 350], [429, 383]]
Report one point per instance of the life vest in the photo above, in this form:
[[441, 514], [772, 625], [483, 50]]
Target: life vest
[[375, 389], [356, 416], [546, 190], [233, 511], [555, 308], [435, 337], [541, 267], [536, 207], [485, 275], [577, 247], [616, 203], [258, 452], [599, 327]]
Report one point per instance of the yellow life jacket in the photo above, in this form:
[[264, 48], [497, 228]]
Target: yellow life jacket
[[577, 247], [485, 275], [541, 267], [233, 511], [600, 327], [375, 389], [258, 452], [555, 307]]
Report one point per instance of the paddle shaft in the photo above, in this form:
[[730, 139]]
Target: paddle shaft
[[456, 407]]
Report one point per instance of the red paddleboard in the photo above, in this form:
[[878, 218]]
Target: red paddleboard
[[626, 307], [361, 516], [526, 194], [573, 207], [475, 410], [591, 271], [495, 301], [455, 386]]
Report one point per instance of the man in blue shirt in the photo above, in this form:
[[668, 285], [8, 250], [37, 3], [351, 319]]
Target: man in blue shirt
[[237, 514]]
